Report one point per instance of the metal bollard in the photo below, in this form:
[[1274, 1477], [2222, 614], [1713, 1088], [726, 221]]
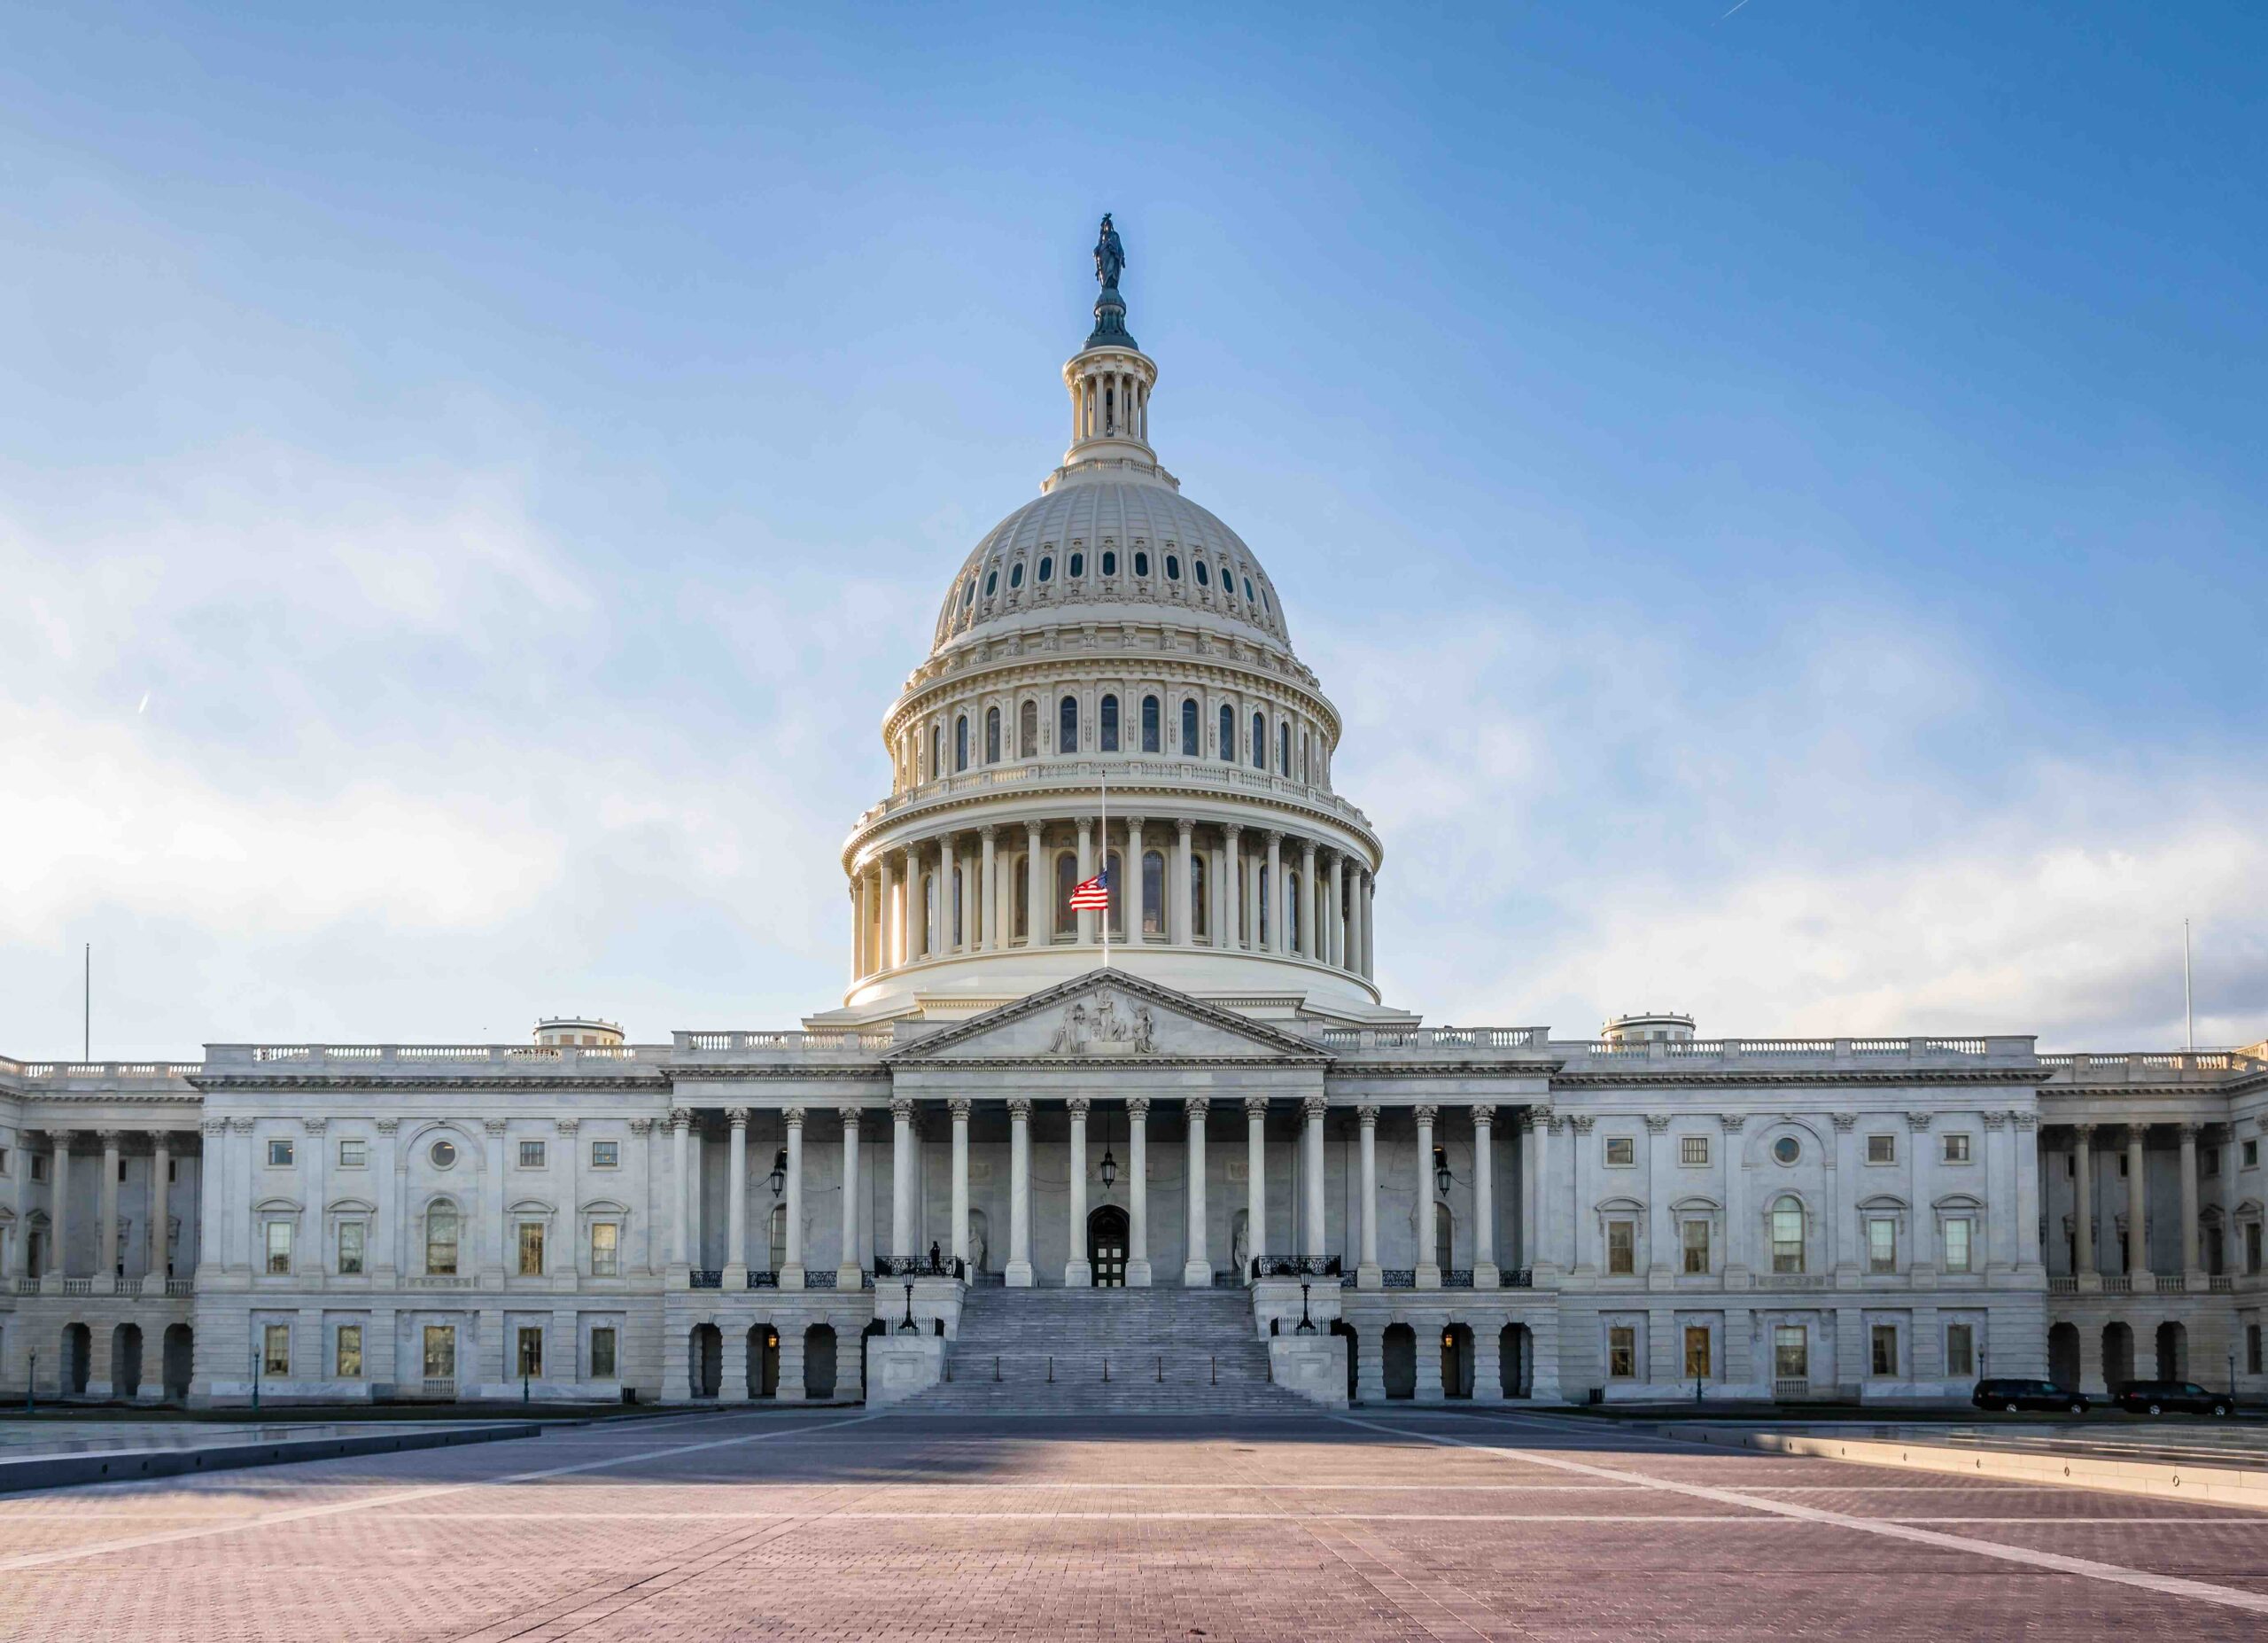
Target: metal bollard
[[1051, 1369], [1216, 1372], [1162, 1369]]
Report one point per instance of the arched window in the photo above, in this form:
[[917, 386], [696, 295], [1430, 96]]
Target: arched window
[[1283, 750], [1151, 729], [1027, 730], [936, 752], [1153, 893], [1247, 590], [1023, 929], [1109, 724], [1200, 927], [1016, 574], [1189, 748], [1141, 563], [1173, 567], [1228, 580], [1259, 742], [1067, 727], [1067, 880], [1292, 911], [1078, 567], [1204, 576], [441, 1228], [1260, 939], [1110, 562], [991, 583], [775, 1227], [955, 923], [968, 594], [1047, 567], [1228, 733], [1788, 1235], [991, 735], [960, 743]]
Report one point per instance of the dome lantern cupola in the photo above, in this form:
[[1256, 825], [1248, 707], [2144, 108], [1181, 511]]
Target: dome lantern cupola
[[1109, 381]]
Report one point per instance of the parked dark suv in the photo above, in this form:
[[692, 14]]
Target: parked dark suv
[[2013, 1395], [2167, 1396]]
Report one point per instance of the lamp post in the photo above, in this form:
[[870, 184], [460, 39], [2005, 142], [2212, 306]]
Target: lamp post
[[909, 1327], [1307, 1324], [255, 1372], [1109, 1165], [31, 1388]]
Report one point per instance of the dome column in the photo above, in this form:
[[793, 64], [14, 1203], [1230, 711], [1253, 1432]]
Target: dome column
[[1131, 896], [1183, 879], [1310, 926], [1370, 885], [909, 913], [886, 936], [1039, 916], [1279, 921], [1232, 926], [989, 896], [1335, 926], [858, 925], [1086, 872]]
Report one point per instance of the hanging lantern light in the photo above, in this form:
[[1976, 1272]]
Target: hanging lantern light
[[1442, 1171], [1110, 1164], [778, 1178]]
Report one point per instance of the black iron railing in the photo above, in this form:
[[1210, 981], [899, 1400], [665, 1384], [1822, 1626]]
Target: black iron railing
[[761, 1280], [1295, 1267], [710, 1279]]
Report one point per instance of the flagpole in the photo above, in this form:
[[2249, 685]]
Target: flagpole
[[1105, 872]]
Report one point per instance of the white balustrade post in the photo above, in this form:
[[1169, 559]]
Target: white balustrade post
[[1019, 1273], [1197, 1272]]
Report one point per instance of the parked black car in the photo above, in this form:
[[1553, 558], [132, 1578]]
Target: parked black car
[[2013, 1395], [2171, 1396]]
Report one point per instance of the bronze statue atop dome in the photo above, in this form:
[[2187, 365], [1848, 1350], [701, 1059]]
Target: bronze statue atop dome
[[1110, 255]]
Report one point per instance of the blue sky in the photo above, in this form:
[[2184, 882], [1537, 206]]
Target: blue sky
[[1775, 495]]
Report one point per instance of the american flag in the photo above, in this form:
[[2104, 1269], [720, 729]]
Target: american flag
[[1092, 895]]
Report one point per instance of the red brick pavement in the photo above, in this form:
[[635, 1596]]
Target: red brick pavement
[[1394, 1525]]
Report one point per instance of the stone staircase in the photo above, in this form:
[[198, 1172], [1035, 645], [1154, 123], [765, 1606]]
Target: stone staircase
[[1164, 1351]]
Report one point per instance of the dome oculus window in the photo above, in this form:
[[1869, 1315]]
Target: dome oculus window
[[1047, 567], [1787, 1149], [443, 1153], [1173, 567], [1141, 563], [1204, 574], [1078, 567], [1109, 562]]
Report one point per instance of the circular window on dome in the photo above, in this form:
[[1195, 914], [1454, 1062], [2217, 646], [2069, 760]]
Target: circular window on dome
[[1047, 567], [1078, 567], [443, 1153], [991, 583], [1787, 1149], [1204, 575], [1016, 574], [1141, 563], [1173, 567], [1109, 563]]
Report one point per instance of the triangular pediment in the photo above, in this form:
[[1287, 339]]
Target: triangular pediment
[[1110, 1016]]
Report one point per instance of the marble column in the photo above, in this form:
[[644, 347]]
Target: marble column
[[1255, 1191], [943, 937], [1276, 920], [159, 1264], [1355, 920], [1231, 928], [988, 889], [850, 1271], [858, 925], [1019, 1273], [909, 908], [1429, 1269], [1039, 910], [791, 1271], [1367, 1274], [886, 927], [1310, 925], [2082, 1206], [680, 1122], [1198, 1273], [1312, 1109], [1086, 825], [1129, 898], [1370, 922], [1485, 1274], [2138, 1211], [1922, 1259], [2193, 1270], [735, 1274], [1078, 1273], [959, 1107], [1182, 894], [902, 1183], [1334, 925], [107, 1225], [1658, 1260], [1137, 1193]]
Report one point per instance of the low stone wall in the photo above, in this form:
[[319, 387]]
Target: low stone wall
[[1313, 1366]]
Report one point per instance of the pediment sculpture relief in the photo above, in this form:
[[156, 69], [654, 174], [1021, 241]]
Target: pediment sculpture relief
[[1100, 1027]]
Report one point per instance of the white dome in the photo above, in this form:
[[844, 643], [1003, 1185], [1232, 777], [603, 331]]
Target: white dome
[[1091, 547]]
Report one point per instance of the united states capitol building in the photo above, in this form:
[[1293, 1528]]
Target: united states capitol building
[[1194, 1156]]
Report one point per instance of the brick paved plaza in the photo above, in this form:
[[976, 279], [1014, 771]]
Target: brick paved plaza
[[1394, 1525]]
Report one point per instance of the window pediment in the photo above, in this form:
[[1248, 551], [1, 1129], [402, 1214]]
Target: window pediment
[[351, 1206], [277, 1206]]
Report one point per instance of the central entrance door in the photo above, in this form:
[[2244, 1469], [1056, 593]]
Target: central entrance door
[[1107, 1247]]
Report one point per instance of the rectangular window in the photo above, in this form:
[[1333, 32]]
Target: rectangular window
[[604, 1249], [279, 1247], [1882, 1149], [279, 1154], [1787, 1237], [531, 1249], [1621, 1151], [1622, 1352], [349, 1248], [1696, 1353], [2251, 1154], [1790, 1353], [1696, 1236], [606, 1154], [353, 1152], [2252, 1249], [4, 1160], [350, 1351], [1621, 1248], [275, 1350], [1956, 1149], [39, 1166], [603, 1354], [1693, 1150], [1882, 1244], [1957, 1245], [2209, 1160], [121, 1171], [1960, 1351], [532, 1155], [2252, 1349], [441, 1352], [1885, 1349], [530, 1354], [441, 1241]]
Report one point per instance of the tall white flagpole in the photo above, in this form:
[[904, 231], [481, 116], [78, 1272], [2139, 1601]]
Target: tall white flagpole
[[1106, 873]]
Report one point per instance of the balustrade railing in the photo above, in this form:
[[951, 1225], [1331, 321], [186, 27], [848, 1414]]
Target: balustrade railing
[[2117, 1283], [177, 1287], [78, 1286], [2171, 1283], [706, 1277], [903, 1267], [1096, 1368], [2065, 1284], [1397, 1278], [1456, 1278], [760, 1279], [1295, 1267]]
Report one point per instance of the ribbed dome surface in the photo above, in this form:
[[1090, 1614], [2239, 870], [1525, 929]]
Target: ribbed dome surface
[[1101, 545]]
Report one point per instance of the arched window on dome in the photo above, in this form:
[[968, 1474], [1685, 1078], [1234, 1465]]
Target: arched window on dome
[[1141, 563], [1173, 567], [1027, 730], [1078, 567], [1227, 734], [1259, 937], [1110, 562], [991, 583], [1067, 728], [936, 752], [1291, 912], [1248, 599], [1153, 893], [991, 735], [1189, 748], [968, 594], [1259, 742], [1151, 730], [1067, 880], [1228, 580], [1109, 716], [960, 743], [1204, 576], [1200, 926], [1047, 567], [956, 926], [1021, 929], [1283, 749]]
